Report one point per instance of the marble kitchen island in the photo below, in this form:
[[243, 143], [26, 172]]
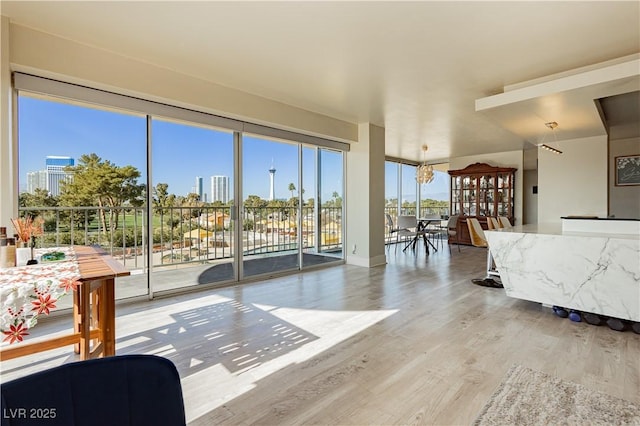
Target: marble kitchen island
[[597, 272]]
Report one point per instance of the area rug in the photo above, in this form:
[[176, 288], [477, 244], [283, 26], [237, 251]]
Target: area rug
[[529, 397]]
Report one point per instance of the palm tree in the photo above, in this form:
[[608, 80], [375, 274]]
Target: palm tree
[[292, 188]]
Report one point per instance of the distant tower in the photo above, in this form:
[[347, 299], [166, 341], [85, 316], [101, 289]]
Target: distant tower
[[272, 189], [220, 189], [198, 188]]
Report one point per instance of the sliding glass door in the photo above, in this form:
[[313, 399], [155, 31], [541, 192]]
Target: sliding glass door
[[181, 198], [323, 218], [82, 171], [270, 183], [192, 190]]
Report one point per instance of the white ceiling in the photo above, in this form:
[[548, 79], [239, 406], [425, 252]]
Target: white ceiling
[[415, 68]]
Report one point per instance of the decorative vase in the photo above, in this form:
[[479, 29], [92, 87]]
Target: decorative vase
[[23, 255]]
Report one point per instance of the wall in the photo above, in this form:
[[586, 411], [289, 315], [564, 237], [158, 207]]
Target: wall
[[530, 200], [575, 182], [624, 201], [46, 55], [502, 159], [365, 198], [8, 172]]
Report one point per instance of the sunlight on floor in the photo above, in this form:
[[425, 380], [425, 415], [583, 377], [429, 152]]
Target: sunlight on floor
[[274, 337], [221, 347], [330, 327]]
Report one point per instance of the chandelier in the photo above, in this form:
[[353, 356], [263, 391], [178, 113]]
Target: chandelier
[[551, 125], [424, 172]]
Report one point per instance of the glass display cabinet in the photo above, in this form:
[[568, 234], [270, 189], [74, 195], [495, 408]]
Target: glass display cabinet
[[480, 190]]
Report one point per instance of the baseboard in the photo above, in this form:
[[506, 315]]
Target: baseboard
[[367, 262]]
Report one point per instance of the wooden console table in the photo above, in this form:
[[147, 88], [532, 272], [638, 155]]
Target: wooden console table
[[93, 310]]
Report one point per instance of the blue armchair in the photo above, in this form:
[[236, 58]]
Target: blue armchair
[[135, 390]]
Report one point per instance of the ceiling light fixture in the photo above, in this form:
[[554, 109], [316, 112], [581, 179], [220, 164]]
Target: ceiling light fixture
[[551, 125], [424, 172]]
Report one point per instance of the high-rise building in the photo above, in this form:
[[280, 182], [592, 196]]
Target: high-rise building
[[55, 172], [36, 180], [198, 189], [51, 177], [220, 189]]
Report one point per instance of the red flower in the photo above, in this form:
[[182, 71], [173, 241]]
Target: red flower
[[44, 304], [15, 333], [69, 284]]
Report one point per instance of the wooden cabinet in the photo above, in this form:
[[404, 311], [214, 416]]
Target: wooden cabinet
[[480, 191]]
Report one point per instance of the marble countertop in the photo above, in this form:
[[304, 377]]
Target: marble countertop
[[598, 218], [556, 229]]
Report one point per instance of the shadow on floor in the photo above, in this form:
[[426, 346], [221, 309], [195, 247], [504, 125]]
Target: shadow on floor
[[263, 265]]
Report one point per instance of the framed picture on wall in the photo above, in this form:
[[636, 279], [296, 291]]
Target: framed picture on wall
[[628, 170]]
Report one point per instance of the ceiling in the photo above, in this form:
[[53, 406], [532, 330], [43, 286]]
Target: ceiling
[[415, 68]]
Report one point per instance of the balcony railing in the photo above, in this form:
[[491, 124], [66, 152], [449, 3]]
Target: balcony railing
[[197, 234], [187, 234]]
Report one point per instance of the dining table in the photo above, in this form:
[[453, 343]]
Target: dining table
[[31, 292], [422, 227]]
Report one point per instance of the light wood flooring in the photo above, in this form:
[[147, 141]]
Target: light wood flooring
[[412, 342]]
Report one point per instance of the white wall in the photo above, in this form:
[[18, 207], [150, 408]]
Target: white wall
[[502, 159], [574, 182]]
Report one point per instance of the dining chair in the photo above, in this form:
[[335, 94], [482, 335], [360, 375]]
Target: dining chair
[[504, 221], [389, 223], [452, 231], [478, 239], [408, 228], [392, 229], [493, 223], [433, 230]]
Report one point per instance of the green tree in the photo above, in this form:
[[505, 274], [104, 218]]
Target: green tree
[[254, 204], [101, 183], [162, 200], [40, 198], [292, 188], [190, 201], [293, 202]]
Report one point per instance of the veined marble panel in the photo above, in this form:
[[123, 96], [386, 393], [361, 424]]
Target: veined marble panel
[[605, 226], [596, 274]]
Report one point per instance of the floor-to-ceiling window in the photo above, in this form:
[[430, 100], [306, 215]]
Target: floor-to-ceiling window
[[434, 196], [408, 191], [270, 206], [82, 170], [181, 198], [325, 240], [192, 179], [404, 196]]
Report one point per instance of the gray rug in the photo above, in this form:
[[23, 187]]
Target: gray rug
[[529, 397]]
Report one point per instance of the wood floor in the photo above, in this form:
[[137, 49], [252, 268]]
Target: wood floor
[[412, 342]]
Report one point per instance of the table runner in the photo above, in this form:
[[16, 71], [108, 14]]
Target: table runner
[[27, 292]]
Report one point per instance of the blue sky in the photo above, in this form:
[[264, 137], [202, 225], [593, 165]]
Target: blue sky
[[180, 152]]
